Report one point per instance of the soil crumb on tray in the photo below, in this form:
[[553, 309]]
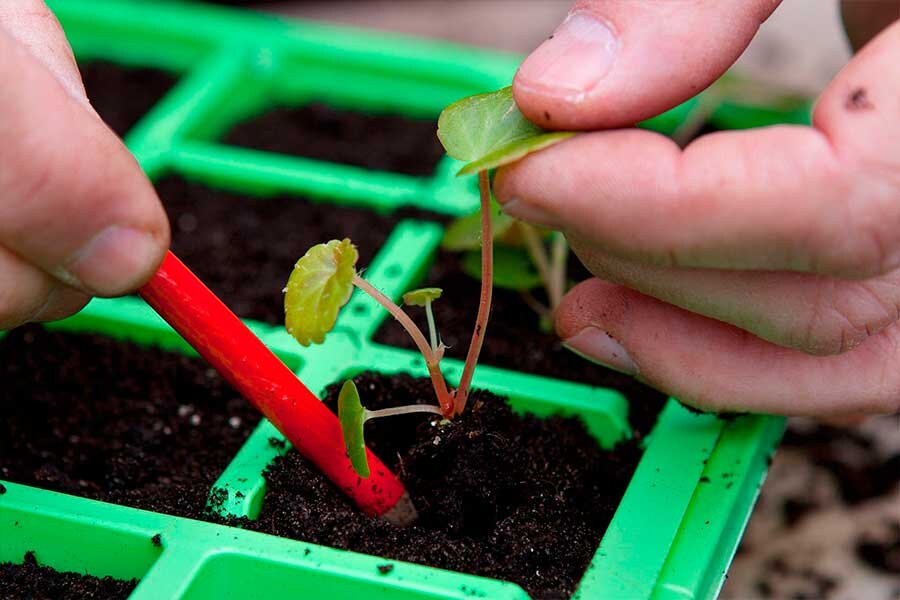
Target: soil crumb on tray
[[244, 248], [122, 95], [110, 420], [499, 494], [374, 141], [31, 581], [514, 339]]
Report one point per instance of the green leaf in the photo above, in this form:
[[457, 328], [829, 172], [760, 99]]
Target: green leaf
[[320, 284], [513, 269], [465, 232], [352, 416], [489, 131], [422, 296]]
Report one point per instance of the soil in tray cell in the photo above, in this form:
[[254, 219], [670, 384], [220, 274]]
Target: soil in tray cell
[[244, 247], [110, 420], [31, 581], [499, 494], [122, 95], [514, 339], [379, 142]]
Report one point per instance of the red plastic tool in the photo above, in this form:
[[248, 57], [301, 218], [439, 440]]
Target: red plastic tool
[[242, 359]]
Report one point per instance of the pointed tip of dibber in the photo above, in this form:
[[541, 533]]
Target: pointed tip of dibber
[[403, 514]]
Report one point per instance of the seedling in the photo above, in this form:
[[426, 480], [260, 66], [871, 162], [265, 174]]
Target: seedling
[[486, 131]]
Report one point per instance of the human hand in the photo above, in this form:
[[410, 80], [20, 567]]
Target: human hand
[[754, 270], [77, 215]]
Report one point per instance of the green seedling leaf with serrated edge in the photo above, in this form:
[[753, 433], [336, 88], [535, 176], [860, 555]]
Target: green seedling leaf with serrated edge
[[352, 416], [422, 296], [320, 285], [465, 232], [488, 131], [513, 269]]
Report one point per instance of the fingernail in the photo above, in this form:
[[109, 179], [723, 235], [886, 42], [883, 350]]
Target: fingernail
[[113, 262], [517, 209], [599, 347], [573, 61]]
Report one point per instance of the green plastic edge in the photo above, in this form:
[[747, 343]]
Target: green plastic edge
[[200, 42]]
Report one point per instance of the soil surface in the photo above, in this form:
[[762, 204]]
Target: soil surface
[[827, 524], [122, 95], [30, 581], [244, 247], [514, 339], [500, 495], [110, 420], [381, 142]]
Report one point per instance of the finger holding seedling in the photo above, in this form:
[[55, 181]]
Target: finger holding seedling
[[738, 266], [77, 215]]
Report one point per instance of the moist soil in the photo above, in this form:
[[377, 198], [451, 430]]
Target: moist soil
[[122, 95], [382, 142], [110, 420], [30, 581], [244, 247], [514, 339], [500, 495]]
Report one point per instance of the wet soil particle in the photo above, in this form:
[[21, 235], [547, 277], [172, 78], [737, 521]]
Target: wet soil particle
[[244, 247], [499, 494], [380, 142], [156, 540], [110, 420], [514, 339], [30, 581], [122, 95]]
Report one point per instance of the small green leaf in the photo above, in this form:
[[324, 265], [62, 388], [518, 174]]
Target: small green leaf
[[465, 233], [489, 131], [422, 296], [352, 416], [513, 269], [320, 284], [515, 150]]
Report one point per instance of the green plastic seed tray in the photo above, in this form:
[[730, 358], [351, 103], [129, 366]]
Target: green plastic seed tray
[[672, 536]]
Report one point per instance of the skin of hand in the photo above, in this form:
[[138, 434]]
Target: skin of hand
[[752, 271], [78, 217]]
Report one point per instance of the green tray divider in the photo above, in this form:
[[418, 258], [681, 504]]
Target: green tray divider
[[634, 548], [204, 561], [719, 511], [247, 170]]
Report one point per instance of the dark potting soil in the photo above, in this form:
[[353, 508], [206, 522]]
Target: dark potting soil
[[110, 420], [500, 495], [514, 339], [244, 248], [860, 471], [381, 142], [122, 95], [30, 581]]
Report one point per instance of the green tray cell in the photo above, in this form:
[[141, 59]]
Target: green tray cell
[[672, 536]]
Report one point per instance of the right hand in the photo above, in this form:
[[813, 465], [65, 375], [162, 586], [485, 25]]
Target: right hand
[[78, 218]]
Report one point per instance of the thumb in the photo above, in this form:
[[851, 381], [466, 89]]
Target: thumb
[[613, 63]]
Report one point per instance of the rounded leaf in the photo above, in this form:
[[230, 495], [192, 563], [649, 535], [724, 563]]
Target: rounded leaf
[[488, 131], [320, 284], [352, 416], [422, 296]]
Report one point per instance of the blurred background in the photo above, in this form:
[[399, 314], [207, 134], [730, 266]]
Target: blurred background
[[828, 521]]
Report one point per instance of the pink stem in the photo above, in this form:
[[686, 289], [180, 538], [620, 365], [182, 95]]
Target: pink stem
[[431, 361], [484, 305]]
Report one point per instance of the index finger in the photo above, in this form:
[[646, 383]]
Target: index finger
[[824, 199]]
